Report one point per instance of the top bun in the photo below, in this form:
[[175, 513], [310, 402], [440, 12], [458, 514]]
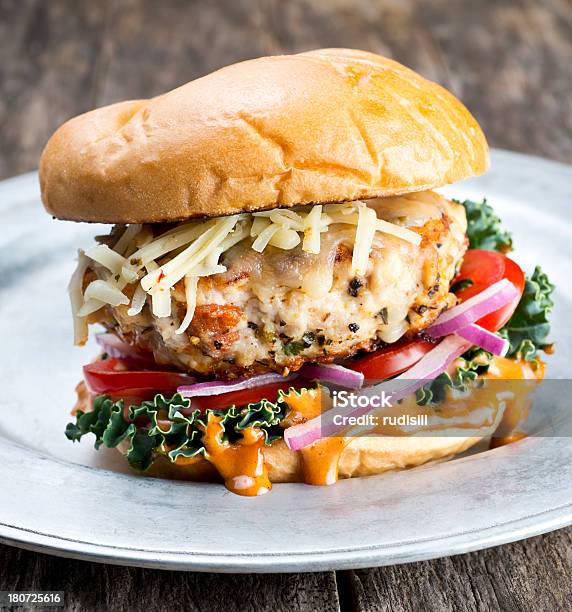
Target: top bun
[[325, 126]]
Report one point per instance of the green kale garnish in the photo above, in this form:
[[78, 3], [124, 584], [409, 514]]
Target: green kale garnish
[[528, 328], [472, 364], [484, 228], [168, 426]]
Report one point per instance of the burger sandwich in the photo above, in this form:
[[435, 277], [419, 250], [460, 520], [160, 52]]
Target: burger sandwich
[[276, 243]]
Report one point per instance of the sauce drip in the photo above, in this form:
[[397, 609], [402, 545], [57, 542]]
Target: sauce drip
[[304, 405], [241, 464], [320, 460], [518, 408]]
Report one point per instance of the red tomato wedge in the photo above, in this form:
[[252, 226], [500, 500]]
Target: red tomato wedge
[[484, 268], [111, 376], [391, 360]]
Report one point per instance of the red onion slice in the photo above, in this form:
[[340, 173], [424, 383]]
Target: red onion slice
[[334, 374], [426, 369], [492, 298], [486, 339], [216, 387]]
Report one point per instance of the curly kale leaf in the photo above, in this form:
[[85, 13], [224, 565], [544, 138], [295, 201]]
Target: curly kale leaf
[[472, 364], [529, 327], [484, 228], [168, 427], [105, 421], [265, 415]]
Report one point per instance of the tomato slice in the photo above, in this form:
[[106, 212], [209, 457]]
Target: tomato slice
[[111, 376], [391, 360], [246, 396], [484, 268]]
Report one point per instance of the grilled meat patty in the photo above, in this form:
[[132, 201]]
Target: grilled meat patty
[[278, 309]]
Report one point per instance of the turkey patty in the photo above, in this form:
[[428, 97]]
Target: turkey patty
[[276, 310]]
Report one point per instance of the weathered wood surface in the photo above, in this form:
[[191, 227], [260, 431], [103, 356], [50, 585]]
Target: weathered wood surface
[[510, 62]]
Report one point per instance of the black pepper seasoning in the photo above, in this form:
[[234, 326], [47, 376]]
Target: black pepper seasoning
[[354, 286]]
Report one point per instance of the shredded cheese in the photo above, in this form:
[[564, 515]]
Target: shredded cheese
[[137, 301], [75, 290], [123, 244], [365, 233], [258, 225], [107, 257], [105, 292], [193, 250], [161, 303], [265, 237], [191, 283], [173, 271], [312, 228], [285, 238], [399, 232], [90, 306], [168, 242]]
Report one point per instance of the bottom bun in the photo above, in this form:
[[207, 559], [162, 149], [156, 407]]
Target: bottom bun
[[363, 456]]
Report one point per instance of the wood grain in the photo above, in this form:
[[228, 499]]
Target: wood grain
[[529, 575], [91, 586], [508, 60]]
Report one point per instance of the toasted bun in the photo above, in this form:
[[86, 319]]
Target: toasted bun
[[323, 126]]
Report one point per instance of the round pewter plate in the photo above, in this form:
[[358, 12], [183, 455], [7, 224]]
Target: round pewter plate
[[70, 500]]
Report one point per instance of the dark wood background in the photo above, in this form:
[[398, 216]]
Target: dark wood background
[[509, 61]]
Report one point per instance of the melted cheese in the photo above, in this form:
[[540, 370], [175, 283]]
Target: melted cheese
[[193, 249]]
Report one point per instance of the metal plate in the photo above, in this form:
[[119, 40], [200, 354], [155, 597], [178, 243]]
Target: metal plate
[[70, 500]]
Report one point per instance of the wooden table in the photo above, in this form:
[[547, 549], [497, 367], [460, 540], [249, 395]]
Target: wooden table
[[510, 62]]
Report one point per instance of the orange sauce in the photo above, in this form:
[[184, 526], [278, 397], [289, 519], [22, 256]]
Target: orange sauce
[[497, 442], [241, 464], [321, 459], [180, 460], [302, 406], [518, 408]]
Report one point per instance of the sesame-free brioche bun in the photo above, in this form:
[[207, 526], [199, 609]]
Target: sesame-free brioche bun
[[323, 126]]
